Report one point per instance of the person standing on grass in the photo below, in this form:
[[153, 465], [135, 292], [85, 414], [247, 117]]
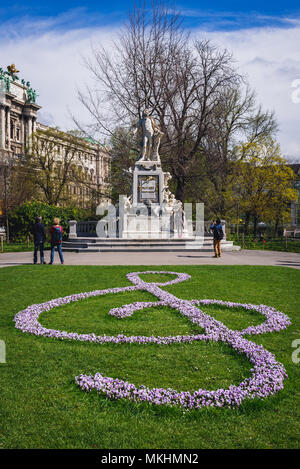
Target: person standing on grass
[[217, 230], [56, 233], [39, 236]]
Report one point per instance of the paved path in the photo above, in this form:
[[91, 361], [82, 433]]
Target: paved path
[[243, 257]]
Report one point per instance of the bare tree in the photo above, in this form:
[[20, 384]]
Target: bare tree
[[15, 186], [235, 120], [184, 83], [51, 162]]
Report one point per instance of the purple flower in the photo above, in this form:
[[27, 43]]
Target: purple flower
[[267, 374]]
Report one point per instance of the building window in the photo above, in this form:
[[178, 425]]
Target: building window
[[18, 135], [12, 130]]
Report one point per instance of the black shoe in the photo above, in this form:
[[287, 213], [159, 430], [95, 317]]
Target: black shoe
[[50, 263]]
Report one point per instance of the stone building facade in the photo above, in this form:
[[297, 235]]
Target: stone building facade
[[92, 159], [295, 206], [19, 119], [18, 114]]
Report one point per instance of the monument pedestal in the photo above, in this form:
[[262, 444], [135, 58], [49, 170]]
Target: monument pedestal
[[150, 215], [148, 183]]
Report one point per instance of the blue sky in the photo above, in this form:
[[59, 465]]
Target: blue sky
[[48, 42], [218, 15]]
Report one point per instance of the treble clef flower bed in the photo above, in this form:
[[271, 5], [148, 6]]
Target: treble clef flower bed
[[267, 375]]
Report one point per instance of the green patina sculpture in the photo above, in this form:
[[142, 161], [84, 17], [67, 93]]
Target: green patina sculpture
[[31, 95], [5, 80], [10, 74]]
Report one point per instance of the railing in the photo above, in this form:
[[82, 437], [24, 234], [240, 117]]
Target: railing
[[290, 233], [207, 225], [279, 243], [85, 229], [286, 231]]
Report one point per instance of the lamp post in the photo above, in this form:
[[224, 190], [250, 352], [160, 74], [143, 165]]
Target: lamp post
[[6, 165]]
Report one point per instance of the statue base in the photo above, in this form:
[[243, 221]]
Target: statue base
[[152, 212], [148, 183]]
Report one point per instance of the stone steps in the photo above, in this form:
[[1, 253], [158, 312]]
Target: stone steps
[[134, 244], [145, 245], [132, 240]]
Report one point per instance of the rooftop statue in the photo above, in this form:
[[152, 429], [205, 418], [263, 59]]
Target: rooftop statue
[[151, 135], [12, 69], [5, 80], [31, 95], [8, 76]]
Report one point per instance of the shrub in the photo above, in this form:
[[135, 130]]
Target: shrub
[[22, 218]]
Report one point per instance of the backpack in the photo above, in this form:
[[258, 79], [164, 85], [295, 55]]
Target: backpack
[[56, 236], [219, 232]]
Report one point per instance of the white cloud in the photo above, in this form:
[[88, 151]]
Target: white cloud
[[52, 62], [270, 57]]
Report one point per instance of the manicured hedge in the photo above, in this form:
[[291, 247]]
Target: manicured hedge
[[22, 218]]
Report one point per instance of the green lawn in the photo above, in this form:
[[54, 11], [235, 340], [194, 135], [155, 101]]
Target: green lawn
[[41, 406], [21, 247]]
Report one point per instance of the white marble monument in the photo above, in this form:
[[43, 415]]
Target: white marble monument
[[152, 212]]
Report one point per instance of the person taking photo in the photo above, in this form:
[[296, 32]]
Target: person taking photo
[[218, 233]]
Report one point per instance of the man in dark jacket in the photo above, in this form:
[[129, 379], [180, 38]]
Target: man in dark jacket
[[217, 230], [39, 234]]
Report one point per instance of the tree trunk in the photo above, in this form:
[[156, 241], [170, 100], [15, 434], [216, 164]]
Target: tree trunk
[[180, 188], [276, 227], [247, 219], [255, 220]]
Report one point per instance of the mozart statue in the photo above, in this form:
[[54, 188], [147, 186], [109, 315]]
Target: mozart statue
[[151, 135]]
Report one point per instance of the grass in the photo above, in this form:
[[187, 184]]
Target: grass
[[21, 246], [268, 244], [41, 407]]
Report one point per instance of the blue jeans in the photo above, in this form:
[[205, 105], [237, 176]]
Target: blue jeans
[[59, 252], [38, 246]]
